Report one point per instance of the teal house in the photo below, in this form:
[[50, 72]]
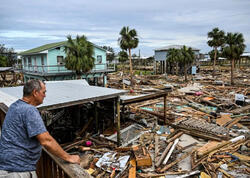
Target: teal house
[[47, 63]]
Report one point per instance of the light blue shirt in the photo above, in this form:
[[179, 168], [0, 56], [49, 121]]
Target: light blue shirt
[[19, 148]]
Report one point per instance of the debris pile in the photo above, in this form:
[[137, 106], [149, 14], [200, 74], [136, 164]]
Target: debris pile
[[200, 129]]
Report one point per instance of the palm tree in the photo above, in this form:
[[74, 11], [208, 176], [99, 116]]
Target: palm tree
[[217, 40], [79, 55], [128, 40], [234, 48], [123, 57], [186, 58], [173, 57]]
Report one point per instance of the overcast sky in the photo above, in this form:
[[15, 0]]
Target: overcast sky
[[26, 24]]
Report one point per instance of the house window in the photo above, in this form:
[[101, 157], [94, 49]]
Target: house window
[[60, 60], [42, 60], [99, 59]]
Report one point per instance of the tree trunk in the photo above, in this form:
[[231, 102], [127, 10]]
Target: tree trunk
[[123, 85], [185, 71], [177, 68], [215, 56], [232, 72], [79, 76], [131, 69]]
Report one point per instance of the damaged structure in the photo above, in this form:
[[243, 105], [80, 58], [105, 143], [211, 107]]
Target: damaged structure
[[162, 127]]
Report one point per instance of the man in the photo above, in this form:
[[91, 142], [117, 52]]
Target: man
[[24, 134]]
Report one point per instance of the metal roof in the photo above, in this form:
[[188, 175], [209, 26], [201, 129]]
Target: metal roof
[[175, 47], [4, 69], [246, 54], [63, 94], [46, 47]]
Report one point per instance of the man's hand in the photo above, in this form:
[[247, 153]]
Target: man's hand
[[73, 159]]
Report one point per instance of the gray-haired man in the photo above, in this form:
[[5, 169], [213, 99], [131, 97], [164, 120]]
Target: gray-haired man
[[24, 134]]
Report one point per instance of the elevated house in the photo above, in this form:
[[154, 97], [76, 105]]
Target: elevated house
[[161, 53], [47, 63]]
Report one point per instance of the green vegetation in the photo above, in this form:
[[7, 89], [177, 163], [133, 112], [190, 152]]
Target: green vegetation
[[3, 61], [7, 56], [110, 53], [128, 40], [186, 57], [233, 49], [143, 72], [79, 55], [180, 57], [217, 40], [173, 57]]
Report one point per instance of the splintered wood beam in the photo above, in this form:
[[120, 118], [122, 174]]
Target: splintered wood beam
[[132, 169], [175, 162], [175, 137], [165, 109], [164, 154], [156, 146]]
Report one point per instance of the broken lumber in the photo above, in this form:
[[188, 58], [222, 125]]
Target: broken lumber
[[175, 162], [132, 169], [171, 151], [142, 156], [175, 137], [222, 145], [241, 110], [164, 154]]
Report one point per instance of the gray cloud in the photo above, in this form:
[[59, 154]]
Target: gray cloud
[[27, 24]]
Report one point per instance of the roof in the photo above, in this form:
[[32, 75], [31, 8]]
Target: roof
[[4, 69], [50, 46], [175, 47], [63, 94], [246, 54]]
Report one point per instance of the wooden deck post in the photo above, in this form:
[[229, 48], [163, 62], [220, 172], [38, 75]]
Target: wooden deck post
[[165, 108], [118, 122], [96, 117]]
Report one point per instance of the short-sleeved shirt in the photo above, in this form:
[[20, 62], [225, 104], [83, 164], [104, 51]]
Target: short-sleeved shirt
[[19, 148]]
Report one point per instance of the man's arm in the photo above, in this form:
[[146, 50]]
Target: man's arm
[[47, 141]]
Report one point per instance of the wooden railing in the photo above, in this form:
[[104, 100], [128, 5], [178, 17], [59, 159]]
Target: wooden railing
[[62, 69], [50, 166], [47, 167]]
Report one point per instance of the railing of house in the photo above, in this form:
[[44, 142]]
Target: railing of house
[[62, 68], [47, 167]]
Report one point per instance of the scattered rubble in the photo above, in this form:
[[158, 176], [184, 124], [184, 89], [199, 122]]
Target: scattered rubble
[[206, 133]]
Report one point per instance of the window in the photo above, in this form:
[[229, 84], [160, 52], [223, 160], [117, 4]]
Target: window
[[42, 60], [60, 60], [99, 59]]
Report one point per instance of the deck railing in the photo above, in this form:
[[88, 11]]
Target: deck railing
[[62, 69], [47, 167]]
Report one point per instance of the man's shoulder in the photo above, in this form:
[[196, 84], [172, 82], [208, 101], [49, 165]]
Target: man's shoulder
[[22, 106]]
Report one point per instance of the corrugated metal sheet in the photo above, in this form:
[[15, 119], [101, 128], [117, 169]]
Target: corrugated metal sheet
[[64, 93], [6, 98], [4, 69]]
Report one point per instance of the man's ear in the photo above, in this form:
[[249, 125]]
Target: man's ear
[[34, 93]]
